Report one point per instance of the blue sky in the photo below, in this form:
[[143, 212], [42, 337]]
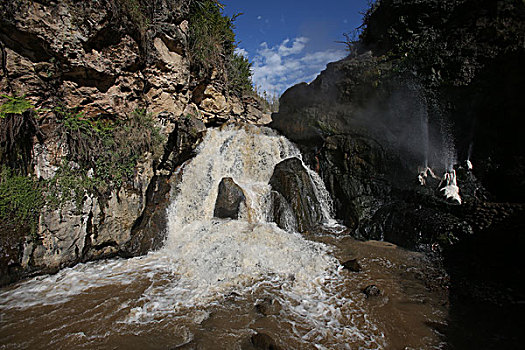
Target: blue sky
[[289, 42]]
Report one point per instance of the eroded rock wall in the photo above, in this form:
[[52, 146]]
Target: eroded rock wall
[[430, 83], [106, 59]]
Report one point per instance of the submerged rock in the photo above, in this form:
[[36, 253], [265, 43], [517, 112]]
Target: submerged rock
[[372, 291], [229, 199], [290, 179], [352, 265], [268, 307]]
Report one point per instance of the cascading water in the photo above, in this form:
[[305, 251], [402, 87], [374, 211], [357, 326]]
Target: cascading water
[[201, 287]]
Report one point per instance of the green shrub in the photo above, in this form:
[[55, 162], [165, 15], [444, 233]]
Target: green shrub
[[211, 36], [212, 46], [20, 198]]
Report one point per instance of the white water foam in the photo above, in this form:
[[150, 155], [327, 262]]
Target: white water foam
[[204, 258]]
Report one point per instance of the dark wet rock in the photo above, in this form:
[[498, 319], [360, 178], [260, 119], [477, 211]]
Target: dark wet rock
[[372, 291], [229, 199], [352, 265], [411, 225], [359, 123], [150, 228], [262, 341], [268, 307], [291, 180], [281, 213]]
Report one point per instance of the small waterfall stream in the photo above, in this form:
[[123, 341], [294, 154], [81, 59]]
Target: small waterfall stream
[[210, 281]]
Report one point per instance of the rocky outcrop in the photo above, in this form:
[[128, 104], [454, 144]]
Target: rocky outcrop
[[107, 59], [229, 199], [431, 83], [290, 179], [417, 90]]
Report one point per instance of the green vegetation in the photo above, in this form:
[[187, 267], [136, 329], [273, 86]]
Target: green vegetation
[[239, 74], [136, 11], [20, 198], [70, 183], [212, 46], [18, 127], [102, 156], [111, 149], [15, 105]]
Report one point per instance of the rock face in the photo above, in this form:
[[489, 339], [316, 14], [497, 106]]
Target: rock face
[[229, 199], [416, 93], [291, 180], [106, 60], [431, 83]]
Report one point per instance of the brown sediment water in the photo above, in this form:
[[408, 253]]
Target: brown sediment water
[[215, 283], [105, 305]]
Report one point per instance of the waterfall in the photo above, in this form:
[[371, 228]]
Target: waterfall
[[205, 259], [215, 257]]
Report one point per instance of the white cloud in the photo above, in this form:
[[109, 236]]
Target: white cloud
[[297, 46], [259, 17], [242, 52], [281, 66]]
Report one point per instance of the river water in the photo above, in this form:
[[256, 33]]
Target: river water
[[217, 282]]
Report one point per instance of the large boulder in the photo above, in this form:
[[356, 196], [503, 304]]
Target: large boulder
[[229, 199], [290, 179]]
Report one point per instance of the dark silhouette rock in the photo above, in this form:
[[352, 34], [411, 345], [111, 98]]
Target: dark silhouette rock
[[372, 291], [352, 265], [229, 199], [291, 180]]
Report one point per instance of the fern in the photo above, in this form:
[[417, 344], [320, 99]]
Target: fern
[[15, 105]]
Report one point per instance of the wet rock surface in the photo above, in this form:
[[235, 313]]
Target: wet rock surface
[[229, 199], [282, 213], [291, 180], [261, 341]]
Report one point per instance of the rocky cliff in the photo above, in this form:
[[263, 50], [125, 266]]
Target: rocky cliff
[[85, 68], [429, 101], [430, 84]]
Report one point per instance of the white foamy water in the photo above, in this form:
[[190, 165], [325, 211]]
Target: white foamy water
[[206, 259]]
